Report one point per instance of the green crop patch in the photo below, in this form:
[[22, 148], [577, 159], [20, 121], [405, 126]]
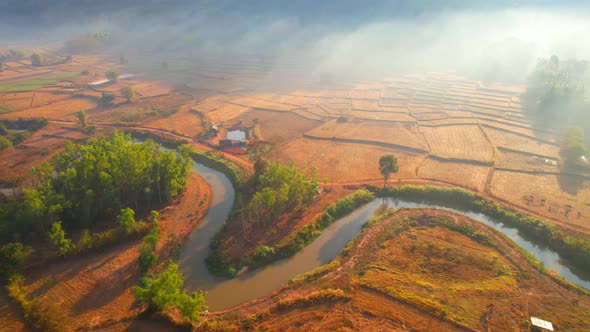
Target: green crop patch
[[36, 84]]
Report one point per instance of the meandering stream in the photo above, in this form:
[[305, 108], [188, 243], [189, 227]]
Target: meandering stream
[[224, 293]]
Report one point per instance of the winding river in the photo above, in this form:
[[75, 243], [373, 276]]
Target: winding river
[[224, 293]]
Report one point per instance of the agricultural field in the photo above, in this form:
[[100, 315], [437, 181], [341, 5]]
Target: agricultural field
[[518, 142], [443, 129], [64, 109], [393, 134], [506, 159], [344, 162], [561, 197], [463, 142], [462, 174], [292, 125]]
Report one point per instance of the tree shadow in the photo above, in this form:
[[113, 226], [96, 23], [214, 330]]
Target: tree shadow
[[570, 184], [108, 289]]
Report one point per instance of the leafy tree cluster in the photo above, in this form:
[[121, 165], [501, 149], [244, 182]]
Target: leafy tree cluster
[[280, 189], [13, 132], [556, 91], [107, 98], [572, 145], [37, 59], [147, 251], [90, 182], [127, 92], [164, 293], [58, 239]]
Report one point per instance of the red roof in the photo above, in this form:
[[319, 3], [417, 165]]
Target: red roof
[[235, 150]]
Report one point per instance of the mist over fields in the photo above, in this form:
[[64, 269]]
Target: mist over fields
[[490, 40]]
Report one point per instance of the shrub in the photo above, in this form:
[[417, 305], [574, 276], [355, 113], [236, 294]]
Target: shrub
[[164, 293], [147, 258], [12, 259]]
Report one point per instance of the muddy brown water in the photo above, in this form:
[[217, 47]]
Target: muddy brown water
[[224, 293]]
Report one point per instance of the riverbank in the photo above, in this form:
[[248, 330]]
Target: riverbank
[[419, 269], [95, 289], [574, 248]]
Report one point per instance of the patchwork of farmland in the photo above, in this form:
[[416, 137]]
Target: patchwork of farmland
[[441, 127]]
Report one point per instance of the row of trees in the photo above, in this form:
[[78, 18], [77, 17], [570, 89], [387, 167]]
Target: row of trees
[[90, 182]]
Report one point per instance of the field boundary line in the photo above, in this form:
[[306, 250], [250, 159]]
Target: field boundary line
[[366, 142]]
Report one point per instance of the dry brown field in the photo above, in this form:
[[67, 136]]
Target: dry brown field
[[562, 197], [465, 142], [16, 163], [462, 174], [44, 98], [384, 116], [522, 130], [225, 112], [278, 127], [522, 161], [448, 122], [373, 131], [344, 162], [254, 102], [60, 110], [366, 105], [151, 89], [521, 143], [184, 123], [305, 113]]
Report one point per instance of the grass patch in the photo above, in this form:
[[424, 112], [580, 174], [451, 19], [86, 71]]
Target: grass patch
[[36, 84]]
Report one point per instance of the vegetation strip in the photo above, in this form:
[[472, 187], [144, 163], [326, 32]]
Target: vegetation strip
[[576, 250]]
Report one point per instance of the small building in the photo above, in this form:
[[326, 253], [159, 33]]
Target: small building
[[237, 135], [539, 325]]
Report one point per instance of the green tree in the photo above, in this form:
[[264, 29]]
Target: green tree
[[573, 145], [5, 143], [58, 239], [12, 259], [107, 98], [154, 215], [147, 258], [112, 75], [83, 117], [164, 293], [126, 220], [387, 166], [37, 59], [280, 189], [127, 92]]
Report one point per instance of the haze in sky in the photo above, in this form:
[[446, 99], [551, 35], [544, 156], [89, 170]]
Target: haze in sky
[[490, 40]]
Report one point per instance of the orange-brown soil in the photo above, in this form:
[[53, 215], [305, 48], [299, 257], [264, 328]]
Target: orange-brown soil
[[409, 272], [95, 290]]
